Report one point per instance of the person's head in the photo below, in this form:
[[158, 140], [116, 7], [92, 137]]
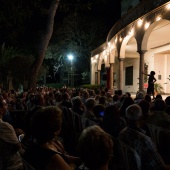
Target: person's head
[[98, 110], [102, 100], [140, 95], [145, 107], [3, 107], [111, 120], [128, 94], [152, 73], [39, 100], [77, 102], [119, 92], [158, 96], [159, 105], [126, 102], [66, 96], [103, 92], [85, 94], [133, 113], [46, 123], [90, 103], [95, 147], [115, 98], [148, 98], [167, 101]]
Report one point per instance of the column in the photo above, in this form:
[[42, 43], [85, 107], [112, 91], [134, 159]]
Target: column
[[98, 79], [112, 61], [141, 69], [111, 77], [121, 73]]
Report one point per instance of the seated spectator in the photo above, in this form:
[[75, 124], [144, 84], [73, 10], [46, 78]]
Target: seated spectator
[[139, 97], [158, 96], [134, 136], [112, 122], [159, 117], [95, 148], [98, 110], [45, 153], [128, 94], [148, 99], [9, 143], [97, 97], [85, 96], [126, 102], [77, 105], [120, 93], [66, 100], [102, 100], [89, 104], [109, 98], [145, 109], [103, 93], [167, 101]]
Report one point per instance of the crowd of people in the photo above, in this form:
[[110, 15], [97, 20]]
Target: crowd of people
[[50, 140]]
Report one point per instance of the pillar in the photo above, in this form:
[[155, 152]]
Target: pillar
[[111, 77], [141, 69], [98, 79], [121, 73]]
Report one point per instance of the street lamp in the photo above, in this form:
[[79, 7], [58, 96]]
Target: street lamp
[[71, 57]]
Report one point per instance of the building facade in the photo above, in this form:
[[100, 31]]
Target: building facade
[[139, 41]]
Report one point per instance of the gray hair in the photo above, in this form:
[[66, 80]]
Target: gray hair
[[133, 112]]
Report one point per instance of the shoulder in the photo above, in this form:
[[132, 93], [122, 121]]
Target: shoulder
[[7, 133], [6, 127], [57, 161]]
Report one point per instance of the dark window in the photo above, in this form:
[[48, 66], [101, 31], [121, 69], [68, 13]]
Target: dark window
[[129, 76]]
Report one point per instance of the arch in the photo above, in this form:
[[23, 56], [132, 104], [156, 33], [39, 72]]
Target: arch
[[99, 62], [123, 46], [146, 36]]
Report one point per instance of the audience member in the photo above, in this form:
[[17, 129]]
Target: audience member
[[159, 117], [139, 97], [66, 100], [167, 101], [112, 122], [95, 148], [134, 136], [126, 102], [90, 103], [77, 105], [45, 152], [9, 143]]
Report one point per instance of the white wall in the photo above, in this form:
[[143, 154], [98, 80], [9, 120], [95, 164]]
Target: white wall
[[135, 63]]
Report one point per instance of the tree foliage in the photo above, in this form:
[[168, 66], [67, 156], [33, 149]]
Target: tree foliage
[[29, 25]]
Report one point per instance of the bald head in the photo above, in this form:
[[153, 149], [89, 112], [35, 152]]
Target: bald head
[[133, 112]]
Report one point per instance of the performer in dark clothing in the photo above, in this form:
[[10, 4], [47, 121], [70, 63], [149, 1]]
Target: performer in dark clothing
[[151, 81]]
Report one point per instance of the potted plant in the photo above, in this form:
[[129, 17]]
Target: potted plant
[[158, 88]]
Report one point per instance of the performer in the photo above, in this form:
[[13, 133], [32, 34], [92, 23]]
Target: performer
[[151, 81]]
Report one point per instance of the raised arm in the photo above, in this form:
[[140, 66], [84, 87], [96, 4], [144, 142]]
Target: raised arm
[[145, 74]]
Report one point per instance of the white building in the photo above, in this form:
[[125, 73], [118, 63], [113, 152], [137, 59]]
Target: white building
[[139, 41]]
